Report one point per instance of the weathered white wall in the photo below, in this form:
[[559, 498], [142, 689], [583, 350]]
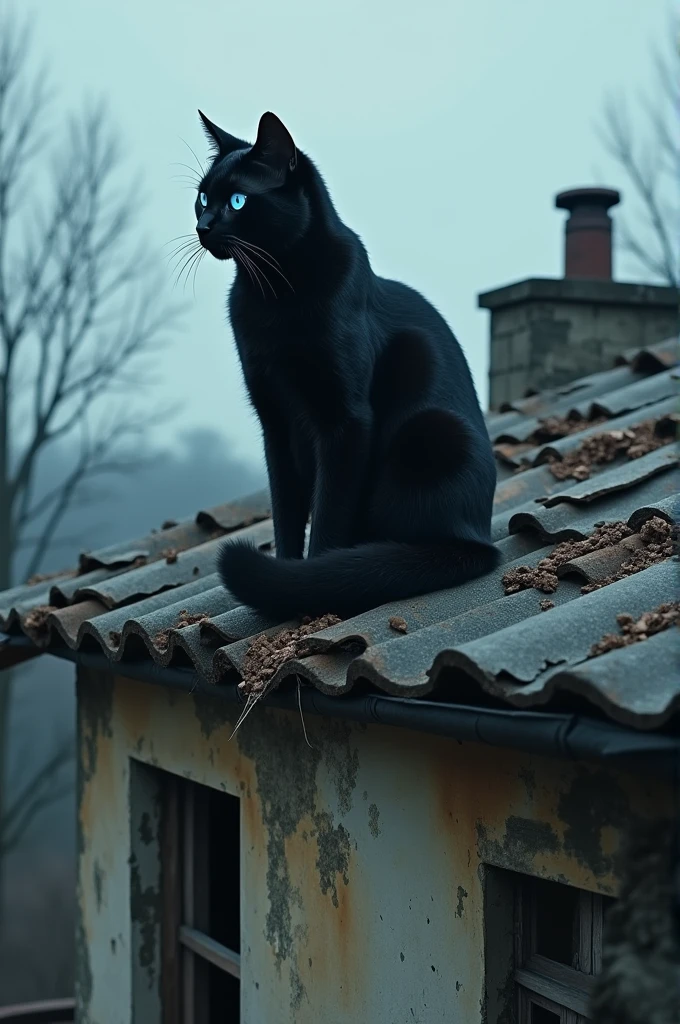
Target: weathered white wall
[[362, 858]]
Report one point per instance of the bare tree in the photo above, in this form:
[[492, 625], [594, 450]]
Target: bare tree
[[80, 308], [647, 149]]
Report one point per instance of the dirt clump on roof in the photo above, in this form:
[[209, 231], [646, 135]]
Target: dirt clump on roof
[[169, 524], [657, 544], [267, 653], [35, 621], [553, 428], [543, 576], [609, 445], [545, 605], [634, 630], [45, 577], [398, 624], [115, 637], [170, 554], [161, 640]]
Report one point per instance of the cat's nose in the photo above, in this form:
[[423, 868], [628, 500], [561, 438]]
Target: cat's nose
[[205, 223]]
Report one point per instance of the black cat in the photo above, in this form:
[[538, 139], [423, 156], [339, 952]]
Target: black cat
[[368, 410]]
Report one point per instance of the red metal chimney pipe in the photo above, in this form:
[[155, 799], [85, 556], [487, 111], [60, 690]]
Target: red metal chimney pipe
[[588, 231]]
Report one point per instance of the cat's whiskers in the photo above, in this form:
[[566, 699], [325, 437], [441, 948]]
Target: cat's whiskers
[[231, 251], [178, 237], [247, 262], [190, 264], [195, 176], [257, 268], [260, 272], [251, 245], [200, 166], [181, 261], [187, 261], [180, 249], [196, 266], [266, 256]]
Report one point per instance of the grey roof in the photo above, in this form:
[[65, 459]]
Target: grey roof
[[158, 597]]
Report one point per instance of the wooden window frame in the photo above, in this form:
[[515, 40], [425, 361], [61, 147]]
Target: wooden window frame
[[188, 949], [559, 988]]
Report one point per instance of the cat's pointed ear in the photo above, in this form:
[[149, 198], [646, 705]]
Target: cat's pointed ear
[[274, 144], [222, 142]]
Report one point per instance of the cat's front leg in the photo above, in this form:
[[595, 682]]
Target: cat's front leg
[[342, 460], [290, 490]]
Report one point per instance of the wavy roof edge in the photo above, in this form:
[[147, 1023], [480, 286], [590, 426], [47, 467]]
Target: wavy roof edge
[[157, 599]]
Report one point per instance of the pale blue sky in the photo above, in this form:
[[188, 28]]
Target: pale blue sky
[[442, 127]]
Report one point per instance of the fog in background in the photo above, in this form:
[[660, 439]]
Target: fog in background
[[197, 471], [443, 130]]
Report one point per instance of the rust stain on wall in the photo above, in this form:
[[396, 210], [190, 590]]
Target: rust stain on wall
[[286, 783], [373, 907]]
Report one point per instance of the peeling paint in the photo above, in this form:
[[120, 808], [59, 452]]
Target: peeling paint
[[523, 840], [593, 802], [145, 911], [212, 713], [342, 761], [83, 975], [334, 853], [357, 908], [286, 770], [94, 718]]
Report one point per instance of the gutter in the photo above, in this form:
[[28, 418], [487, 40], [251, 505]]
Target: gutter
[[564, 735]]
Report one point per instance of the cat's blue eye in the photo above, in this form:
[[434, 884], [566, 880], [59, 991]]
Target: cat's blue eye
[[203, 199], [237, 201]]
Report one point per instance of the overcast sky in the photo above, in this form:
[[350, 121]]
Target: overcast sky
[[443, 128]]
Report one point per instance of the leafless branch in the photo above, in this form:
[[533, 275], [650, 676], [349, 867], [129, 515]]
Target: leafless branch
[[79, 303], [82, 314], [43, 788], [648, 153]]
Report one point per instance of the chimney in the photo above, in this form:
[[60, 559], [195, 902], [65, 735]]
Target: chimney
[[588, 232], [546, 332]]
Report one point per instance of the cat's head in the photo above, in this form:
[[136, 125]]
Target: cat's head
[[251, 195]]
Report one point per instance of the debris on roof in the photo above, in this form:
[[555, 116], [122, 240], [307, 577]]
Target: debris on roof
[[619, 550], [268, 652], [635, 630], [162, 638], [398, 624], [631, 443], [46, 577], [584, 546]]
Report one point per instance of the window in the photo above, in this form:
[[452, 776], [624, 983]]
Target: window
[[543, 947], [201, 912], [558, 950]]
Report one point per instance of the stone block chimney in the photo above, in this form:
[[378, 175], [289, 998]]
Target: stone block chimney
[[546, 332]]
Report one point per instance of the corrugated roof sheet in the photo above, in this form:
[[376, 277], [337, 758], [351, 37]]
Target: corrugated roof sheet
[[157, 597]]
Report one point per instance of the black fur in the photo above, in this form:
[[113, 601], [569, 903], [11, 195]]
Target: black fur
[[368, 410]]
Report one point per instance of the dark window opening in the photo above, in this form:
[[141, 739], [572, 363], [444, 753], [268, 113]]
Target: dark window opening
[[543, 949], [223, 867], [539, 1015], [556, 916], [202, 895]]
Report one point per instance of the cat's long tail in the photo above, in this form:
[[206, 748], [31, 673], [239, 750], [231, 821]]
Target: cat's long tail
[[349, 580]]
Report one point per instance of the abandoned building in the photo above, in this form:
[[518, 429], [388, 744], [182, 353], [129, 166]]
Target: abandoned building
[[423, 815]]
